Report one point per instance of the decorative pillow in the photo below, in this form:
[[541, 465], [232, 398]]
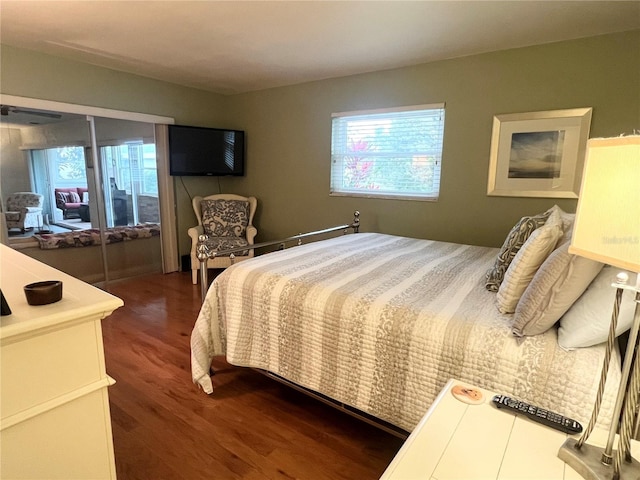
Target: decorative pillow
[[85, 197], [557, 284], [512, 244], [525, 264], [75, 198], [568, 219], [587, 321], [63, 197], [225, 218]]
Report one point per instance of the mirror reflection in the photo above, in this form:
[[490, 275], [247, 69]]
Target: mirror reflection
[[49, 185]]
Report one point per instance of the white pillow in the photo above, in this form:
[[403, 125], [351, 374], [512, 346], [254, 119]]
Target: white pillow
[[523, 267], [557, 284], [587, 321]]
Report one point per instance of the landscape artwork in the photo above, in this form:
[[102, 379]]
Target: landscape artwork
[[536, 154]]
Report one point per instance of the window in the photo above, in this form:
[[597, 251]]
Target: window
[[65, 164], [133, 177], [390, 153], [57, 167], [132, 166]]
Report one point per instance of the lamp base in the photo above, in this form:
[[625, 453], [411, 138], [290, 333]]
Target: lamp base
[[587, 461]]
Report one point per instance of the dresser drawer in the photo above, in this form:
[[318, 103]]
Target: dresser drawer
[[70, 441], [38, 368]]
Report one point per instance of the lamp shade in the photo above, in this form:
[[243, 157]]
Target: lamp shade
[[607, 224]]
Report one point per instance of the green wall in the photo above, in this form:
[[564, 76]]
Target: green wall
[[34, 75], [30, 74], [289, 129]]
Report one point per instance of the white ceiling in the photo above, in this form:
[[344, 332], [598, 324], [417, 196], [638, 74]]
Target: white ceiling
[[239, 46]]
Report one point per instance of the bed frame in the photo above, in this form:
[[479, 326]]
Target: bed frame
[[204, 252], [349, 410]]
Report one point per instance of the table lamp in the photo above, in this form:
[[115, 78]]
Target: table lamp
[[607, 229]]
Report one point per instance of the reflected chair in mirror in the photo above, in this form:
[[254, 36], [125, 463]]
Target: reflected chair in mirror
[[227, 221], [23, 210]]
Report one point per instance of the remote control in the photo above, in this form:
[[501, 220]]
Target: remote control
[[540, 415]]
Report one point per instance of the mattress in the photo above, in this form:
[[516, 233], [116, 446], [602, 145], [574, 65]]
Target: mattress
[[380, 323]]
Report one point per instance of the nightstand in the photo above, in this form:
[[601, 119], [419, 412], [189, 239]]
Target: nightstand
[[459, 440]]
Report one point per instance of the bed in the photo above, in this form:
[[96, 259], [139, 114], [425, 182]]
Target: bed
[[380, 323]]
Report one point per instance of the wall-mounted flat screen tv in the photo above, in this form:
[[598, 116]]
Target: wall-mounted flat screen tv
[[205, 151]]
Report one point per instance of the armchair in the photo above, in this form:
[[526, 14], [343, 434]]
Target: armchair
[[23, 209], [227, 220]]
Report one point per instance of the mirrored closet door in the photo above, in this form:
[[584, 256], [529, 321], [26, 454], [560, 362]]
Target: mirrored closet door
[[99, 183]]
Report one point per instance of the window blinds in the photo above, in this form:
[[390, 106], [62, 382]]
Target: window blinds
[[395, 153]]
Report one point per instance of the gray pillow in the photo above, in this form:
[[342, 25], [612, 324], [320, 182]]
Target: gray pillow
[[557, 284]]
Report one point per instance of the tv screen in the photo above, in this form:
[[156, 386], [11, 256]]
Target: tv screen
[[205, 151]]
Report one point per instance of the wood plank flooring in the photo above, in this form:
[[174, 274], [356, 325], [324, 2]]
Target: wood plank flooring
[[252, 427]]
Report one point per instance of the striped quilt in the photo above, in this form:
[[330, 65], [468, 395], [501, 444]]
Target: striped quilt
[[381, 323]]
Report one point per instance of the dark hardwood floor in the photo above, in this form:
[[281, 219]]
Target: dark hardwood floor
[[252, 427]]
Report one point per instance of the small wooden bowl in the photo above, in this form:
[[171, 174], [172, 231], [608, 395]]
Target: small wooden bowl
[[43, 293]]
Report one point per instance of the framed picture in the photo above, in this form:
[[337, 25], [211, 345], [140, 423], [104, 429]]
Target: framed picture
[[538, 154]]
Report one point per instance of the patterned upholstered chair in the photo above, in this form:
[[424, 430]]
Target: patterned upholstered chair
[[22, 210], [227, 220]]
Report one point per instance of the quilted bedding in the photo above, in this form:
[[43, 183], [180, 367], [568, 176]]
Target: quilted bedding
[[381, 323]]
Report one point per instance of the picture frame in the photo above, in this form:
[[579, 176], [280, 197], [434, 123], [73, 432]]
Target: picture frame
[[538, 154]]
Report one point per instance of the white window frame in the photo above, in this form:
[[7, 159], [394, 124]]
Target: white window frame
[[340, 153]]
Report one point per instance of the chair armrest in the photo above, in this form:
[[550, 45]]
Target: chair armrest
[[251, 234], [21, 210], [33, 209], [194, 233]]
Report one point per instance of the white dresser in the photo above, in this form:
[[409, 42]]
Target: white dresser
[[54, 406]]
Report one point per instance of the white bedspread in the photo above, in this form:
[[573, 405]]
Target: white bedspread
[[380, 323]]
